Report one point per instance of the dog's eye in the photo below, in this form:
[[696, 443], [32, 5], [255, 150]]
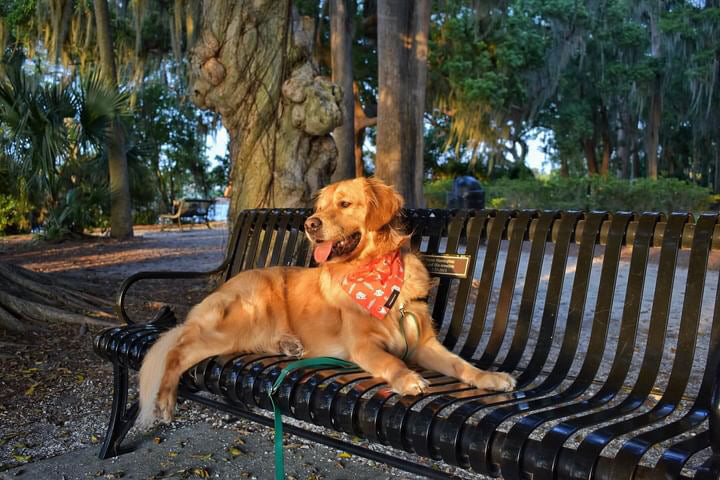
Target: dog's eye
[[345, 204]]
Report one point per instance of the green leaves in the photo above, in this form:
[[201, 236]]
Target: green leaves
[[98, 104], [55, 131]]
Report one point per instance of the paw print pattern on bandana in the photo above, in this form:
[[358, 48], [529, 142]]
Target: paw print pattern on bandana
[[376, 285]]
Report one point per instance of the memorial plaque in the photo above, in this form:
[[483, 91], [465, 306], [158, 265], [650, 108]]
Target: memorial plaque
[[454, 266]]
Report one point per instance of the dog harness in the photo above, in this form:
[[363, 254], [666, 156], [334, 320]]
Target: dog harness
[[376, 285]]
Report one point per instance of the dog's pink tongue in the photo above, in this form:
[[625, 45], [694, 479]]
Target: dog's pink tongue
[[322, 252]]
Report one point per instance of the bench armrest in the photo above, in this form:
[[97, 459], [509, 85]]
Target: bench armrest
[[157, 275]]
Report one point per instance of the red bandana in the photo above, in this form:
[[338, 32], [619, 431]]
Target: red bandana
[[375, 286]]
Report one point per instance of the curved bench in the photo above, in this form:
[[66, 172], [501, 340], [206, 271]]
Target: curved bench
[[611, 323], [192, 210]]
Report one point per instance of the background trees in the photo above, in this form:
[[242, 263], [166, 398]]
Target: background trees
[[616, 88], [151, 146]]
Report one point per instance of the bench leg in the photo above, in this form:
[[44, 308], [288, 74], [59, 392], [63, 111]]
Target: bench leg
[[121, 418]]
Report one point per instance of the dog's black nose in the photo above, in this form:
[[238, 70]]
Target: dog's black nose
[[313, 224]]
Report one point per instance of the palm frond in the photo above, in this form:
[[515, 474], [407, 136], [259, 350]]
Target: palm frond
[[98, 105]]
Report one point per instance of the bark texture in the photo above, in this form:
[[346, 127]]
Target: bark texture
[[403, 28], [121, 225], [342, 76], [252, 65], [654, 115]]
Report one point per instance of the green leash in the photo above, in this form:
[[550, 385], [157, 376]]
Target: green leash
[[319, 362], [307, 362]]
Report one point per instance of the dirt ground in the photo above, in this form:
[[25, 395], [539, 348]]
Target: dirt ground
[[55, 393]]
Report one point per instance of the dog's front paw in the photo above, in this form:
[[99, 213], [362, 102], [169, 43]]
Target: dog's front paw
[[499, 381], [410, 383]]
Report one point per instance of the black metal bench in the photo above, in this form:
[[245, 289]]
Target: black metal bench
[[191, 210], [611, 324]]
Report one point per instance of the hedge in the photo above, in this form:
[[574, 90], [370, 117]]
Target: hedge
[[586, 193]]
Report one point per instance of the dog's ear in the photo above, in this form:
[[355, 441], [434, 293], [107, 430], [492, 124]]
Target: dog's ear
[[383, 204]]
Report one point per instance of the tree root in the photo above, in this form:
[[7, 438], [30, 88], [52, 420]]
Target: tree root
[[27, 299]]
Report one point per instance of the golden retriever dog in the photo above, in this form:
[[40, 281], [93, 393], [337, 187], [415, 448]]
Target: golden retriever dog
[[321, 311]]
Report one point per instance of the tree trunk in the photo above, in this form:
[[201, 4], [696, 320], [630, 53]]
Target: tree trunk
[[4, 37], [121, 225], [716, 180], [61, 13], [564, 168], [589, 146], [606, 142], [176, 30], [652, 134], [418, 83], [252, 65], [361, 122], [623, 147], [342, 76], [402, 79]]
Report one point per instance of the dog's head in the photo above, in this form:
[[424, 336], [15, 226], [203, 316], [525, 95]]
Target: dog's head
[[353, 219]]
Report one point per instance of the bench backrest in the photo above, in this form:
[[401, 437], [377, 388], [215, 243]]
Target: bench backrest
[[194, 207], [580, 295]]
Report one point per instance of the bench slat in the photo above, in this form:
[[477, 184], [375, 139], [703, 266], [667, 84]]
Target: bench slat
[[592, 445], [296, 222], [279, 240], [492, 250], [245, 223], [268, 234], [455, 228], [473, 233], [633, 450], [552, 443], [548, 324], [507, 288], [539, 233], [518, 436], [481, 441], [259, 227]]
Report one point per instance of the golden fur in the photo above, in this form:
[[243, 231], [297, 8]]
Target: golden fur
[[304, 312]]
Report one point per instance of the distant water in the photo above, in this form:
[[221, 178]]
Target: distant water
[[220, 213]]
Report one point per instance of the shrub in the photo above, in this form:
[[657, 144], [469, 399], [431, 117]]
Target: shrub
[[14, 215], [436, 191], [586, 193], [80, 209], [145, 216]]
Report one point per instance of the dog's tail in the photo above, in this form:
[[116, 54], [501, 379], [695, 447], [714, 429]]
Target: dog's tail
[[151, 374]]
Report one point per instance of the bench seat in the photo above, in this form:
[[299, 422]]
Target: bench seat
[[610, 322]]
